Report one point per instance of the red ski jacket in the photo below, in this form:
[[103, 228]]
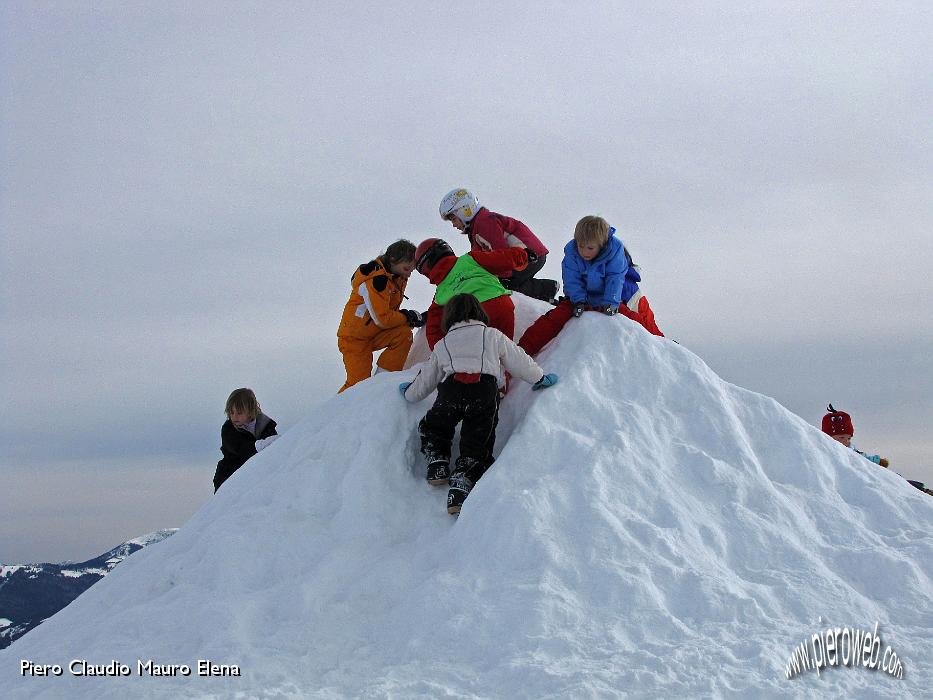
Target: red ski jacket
[[491, 231]]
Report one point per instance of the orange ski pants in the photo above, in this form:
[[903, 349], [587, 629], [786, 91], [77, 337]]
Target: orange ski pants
[[358, 353]]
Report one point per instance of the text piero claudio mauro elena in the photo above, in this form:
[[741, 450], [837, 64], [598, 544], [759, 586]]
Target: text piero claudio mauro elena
[[141, 667]]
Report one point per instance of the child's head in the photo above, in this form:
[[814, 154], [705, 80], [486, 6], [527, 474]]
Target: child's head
[[242, 406], [459, 206], [591, 234], [429, 251], [400, 258], [838, 425], [462, 307]]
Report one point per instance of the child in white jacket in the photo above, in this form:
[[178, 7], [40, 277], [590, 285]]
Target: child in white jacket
[[465, 367]]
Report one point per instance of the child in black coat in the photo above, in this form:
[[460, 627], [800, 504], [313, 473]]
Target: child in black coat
[[246, 431]]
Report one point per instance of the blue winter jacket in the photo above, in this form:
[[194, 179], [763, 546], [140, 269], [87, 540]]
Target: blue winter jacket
[[872, 458], [609, 278]]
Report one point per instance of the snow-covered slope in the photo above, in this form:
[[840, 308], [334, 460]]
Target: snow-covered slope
[[31, 593], [648, 530]]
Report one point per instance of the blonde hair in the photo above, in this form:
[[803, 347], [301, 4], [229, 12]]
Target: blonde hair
[[244, 401], [591, 230]]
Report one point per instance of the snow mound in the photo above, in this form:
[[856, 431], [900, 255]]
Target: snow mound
[[647, 530]]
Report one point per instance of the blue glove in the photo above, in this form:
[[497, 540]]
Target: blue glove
[[403, 387], [578, 309], [545, 381], [611, 310]]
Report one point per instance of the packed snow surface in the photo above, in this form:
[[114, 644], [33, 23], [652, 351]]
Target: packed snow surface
[[648, 530]]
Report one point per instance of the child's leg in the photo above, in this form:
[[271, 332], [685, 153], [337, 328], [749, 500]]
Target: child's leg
[[357, 359], [437, 427], [546, 328], [501, 312], [524, 281], [397, 342], [644, 315], [520, 277], [478, 432], [644, 308]]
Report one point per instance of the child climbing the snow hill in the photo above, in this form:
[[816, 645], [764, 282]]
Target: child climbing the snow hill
[[599, 275], [246, 431], [838, 425], [488, 230], [465, 368], [372, 319], [475, 273]]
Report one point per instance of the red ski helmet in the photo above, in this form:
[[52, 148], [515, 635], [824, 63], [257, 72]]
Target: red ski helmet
[[428, 252], [837, 422]]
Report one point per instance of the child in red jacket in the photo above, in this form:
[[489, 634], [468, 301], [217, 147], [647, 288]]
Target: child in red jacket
[[488, 230], [475, 273]]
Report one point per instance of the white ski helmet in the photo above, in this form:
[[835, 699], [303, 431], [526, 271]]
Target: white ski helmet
[[461, 202]]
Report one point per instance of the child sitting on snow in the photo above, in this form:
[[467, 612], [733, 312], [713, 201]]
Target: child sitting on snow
[[246, 431], [465, 368], [488, 230], [838, 425], [598, 276], [475, 273]]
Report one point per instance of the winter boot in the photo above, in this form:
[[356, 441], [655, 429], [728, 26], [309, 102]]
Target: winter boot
[[438, 471], [460, 487]]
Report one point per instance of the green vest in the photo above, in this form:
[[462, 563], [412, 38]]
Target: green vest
[[469, 277]]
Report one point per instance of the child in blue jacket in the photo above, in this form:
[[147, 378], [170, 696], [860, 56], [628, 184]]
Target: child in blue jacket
[[598, 275]]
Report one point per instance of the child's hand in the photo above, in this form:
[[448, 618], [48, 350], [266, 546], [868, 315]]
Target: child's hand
[[545, 381], [611, 309], [415, 320], [578, 309], [403, 387], [265, 442]]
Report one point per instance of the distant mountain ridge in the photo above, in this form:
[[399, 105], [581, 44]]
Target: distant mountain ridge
[[31, 593]]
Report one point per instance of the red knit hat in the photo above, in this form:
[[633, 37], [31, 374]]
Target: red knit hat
[[837, 422]]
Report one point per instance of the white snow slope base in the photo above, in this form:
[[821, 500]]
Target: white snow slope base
[[647, 530]]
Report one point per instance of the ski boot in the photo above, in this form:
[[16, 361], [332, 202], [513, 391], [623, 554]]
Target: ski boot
[[438, 471], [460, 487]]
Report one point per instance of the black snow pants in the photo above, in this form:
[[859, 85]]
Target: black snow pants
[[477, 405], [524, 281]]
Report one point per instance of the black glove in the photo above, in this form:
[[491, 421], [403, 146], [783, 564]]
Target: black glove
[[532, 256], [415, 320], [611, 310], [578, 309]]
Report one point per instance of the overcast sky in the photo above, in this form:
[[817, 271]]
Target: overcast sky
[[187, 187]]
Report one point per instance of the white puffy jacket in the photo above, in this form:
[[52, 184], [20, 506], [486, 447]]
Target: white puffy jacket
[[472, 347]]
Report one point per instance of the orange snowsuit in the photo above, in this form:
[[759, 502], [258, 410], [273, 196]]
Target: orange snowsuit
[[372, 321]]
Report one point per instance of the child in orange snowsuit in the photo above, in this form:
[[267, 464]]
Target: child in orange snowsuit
[[475, 273], [372, 319]]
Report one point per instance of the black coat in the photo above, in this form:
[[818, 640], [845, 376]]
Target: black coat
[[238, 446]]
